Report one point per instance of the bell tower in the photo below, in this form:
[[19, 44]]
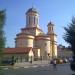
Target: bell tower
[[32, 18], [53, 38], [50, 28]]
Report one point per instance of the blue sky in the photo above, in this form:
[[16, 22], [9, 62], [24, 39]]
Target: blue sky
[[59, 12]]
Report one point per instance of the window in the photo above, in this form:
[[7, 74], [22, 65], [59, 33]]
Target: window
[[29, 20], [45, 44], [34, 19]]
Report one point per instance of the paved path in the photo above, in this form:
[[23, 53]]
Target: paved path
[[40, 70], [22, 64]]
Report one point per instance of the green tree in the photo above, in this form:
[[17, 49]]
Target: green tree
[[69, 36], [2, 38]]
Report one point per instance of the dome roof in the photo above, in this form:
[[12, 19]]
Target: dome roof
[[50, 24], [32, 10]]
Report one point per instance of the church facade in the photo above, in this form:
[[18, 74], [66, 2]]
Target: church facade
[[32, 37]]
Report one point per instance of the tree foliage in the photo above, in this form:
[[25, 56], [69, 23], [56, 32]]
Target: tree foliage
[[2, 38], [69, 36]]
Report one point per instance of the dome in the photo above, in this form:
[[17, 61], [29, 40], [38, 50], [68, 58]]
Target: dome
[[32, 10], [50, 24]]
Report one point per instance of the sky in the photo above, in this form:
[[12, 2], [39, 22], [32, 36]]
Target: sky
[[60, 12]]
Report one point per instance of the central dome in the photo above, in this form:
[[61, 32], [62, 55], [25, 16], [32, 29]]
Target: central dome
[[32, 10]]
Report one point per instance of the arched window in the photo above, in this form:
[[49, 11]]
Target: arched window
[[34, 19], [37, 20], [29, 20], [45, 44]]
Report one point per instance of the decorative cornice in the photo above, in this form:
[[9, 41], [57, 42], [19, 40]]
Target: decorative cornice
[[28, 28], [49, 34], [42, 38]]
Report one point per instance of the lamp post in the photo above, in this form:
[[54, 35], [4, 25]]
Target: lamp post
[[48, 57]]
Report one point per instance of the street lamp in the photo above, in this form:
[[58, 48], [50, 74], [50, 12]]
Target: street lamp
[[49, 55]]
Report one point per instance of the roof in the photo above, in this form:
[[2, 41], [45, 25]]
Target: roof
[[17, 50], [32, 10], [50, 24], [43, 37]]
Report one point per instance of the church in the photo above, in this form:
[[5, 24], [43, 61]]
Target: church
[[32, 43]]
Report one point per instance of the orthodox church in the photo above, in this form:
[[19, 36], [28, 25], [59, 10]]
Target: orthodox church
[[32, 42]]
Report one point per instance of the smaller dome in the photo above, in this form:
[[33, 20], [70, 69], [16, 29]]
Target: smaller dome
[[50, 24], [32, 10]]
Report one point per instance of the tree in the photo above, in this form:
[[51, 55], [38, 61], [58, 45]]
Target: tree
[[2, 38], [69, 37]]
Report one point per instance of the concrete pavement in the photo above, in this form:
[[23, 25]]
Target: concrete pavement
[[36, 63], [27, 65], [63, 69]]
